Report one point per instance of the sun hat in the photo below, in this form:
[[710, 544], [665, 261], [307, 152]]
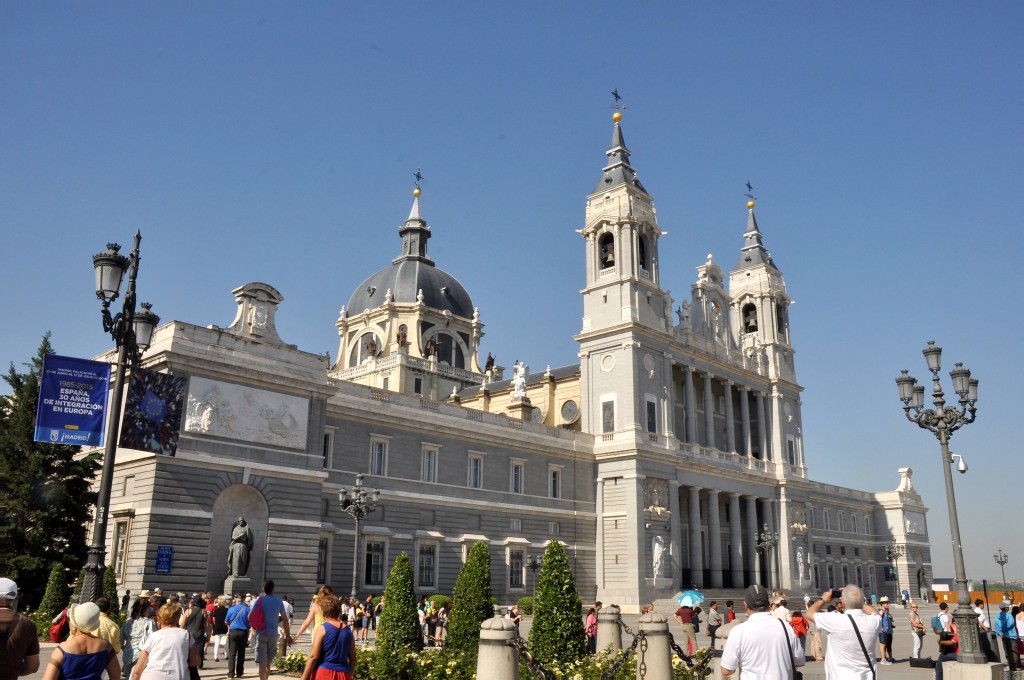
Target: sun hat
[[1005, 604], [8, 589], [143, 594], [883, 599], [86, 617]]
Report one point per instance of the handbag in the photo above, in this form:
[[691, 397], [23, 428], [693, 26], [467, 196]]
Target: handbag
[[797, 675], [864, 649]]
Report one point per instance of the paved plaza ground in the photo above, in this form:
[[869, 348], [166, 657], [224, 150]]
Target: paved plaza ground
[[902, 646]]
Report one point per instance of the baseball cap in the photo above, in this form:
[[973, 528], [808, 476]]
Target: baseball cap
[[756, 596], [1005, 604], [8, 589]]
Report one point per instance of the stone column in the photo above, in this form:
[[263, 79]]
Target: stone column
[[709, 412], [769, 519], [735, 541], [691, 410], [609, 633], [599, 508], [730, 426], [496, 658], [696, 555], [753, 557], [669, 399], [654, 658], [762, 427], [714, 539], [745, 417], [676, 534]]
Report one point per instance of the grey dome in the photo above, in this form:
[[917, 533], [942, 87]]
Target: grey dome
[[405, 278]]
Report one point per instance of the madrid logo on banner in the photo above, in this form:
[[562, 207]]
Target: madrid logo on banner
[[152, 412], [72, 401]]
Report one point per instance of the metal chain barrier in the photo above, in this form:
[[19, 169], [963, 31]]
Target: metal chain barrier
[[519, 644], [699, 664], [638, 640]]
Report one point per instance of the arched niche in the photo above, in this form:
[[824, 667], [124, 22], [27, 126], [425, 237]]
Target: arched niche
[[237, 500]]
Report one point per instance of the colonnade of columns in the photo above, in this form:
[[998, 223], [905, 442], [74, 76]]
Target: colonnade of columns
[[749, 438], [744, 523]]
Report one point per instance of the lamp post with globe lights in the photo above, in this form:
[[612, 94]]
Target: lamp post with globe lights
[[1001, 559], [132, 332], [766, 542], [943, 421], [358, 502], [893, 553]]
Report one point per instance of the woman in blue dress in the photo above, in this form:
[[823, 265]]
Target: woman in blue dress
[[333, 656], [83, 656]]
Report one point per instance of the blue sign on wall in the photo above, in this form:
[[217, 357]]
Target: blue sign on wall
[[164, 557], [72, 401]]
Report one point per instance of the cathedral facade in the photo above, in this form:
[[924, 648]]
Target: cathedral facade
[[664, 459]]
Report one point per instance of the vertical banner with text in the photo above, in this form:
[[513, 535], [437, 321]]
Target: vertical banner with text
[[152, 412], [72, 401]]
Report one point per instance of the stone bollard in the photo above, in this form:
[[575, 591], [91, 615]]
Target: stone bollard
[[653, 659], [609, 632], [497, 659]]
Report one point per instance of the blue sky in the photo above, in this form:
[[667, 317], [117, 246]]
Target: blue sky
[[276, 142]]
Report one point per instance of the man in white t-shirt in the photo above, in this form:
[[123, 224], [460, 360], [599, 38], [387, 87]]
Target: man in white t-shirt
[[758, 646], [848, 657]]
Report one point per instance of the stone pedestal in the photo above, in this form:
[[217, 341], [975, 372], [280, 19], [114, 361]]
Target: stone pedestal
[[656, 659], [973, 671], [609, 633], [497, 659], [521, 409], [238, 585]]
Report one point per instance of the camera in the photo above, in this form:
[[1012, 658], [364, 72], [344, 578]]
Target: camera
[[837, 593]]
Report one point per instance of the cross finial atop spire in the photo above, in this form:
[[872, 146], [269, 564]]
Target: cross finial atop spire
[[618, 98], [419, 177]]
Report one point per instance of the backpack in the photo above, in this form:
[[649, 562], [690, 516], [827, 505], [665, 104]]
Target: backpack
[[936, 624], [60, 628], [257, 617]]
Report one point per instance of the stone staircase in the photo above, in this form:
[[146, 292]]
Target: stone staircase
[[667, 606]]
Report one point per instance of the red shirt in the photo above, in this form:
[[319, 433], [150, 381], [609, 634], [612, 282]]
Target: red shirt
[[685, 615]]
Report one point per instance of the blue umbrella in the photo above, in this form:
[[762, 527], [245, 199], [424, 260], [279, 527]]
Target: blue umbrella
[[689, 598]]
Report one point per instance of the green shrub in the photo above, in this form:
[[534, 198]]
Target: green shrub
[[441, 601], [42, 621], [110, 589], [57, 592], [526, 605], [77, 588], [292, 662], [470, 607], [399, 638], [557, 634]]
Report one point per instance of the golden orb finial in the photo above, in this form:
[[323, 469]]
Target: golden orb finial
[[416, 192], [617, 116], [750, 204]]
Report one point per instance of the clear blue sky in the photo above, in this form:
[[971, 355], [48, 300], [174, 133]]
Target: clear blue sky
[[276, 142]]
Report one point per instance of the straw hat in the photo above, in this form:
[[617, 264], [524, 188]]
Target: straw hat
[[86, 617]]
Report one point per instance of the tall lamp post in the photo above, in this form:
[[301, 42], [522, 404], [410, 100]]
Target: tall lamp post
[[766, 542], [358, 502], [893, 553], [943, 421], [1001, 559], [132, 332], [535, 562]]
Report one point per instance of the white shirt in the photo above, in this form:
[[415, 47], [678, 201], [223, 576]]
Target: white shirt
[[944, 620], [758, 648], [782, 614], [844, 658], [168, 654], [982, 619]]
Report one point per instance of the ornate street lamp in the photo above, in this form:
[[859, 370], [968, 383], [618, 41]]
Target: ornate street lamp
[[766, 542], [943, 421], [358, 502], [131, 332], [535, 562], [1001, 559], [893, 553]]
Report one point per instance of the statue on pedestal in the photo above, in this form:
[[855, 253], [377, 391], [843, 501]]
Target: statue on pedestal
[[240, 548]]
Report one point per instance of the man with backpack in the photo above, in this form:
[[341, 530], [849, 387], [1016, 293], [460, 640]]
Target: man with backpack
[[19, 644], [263, 619]]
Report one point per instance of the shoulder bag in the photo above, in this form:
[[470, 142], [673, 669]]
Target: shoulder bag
[[862, 647], [797, 675]]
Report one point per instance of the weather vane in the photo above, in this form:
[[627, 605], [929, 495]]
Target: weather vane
[[750, 192], [618, 98], [419, 177]]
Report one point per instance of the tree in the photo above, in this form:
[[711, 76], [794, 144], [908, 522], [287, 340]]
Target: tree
[[557, 634], [45, 490], [110, 589], [398, 630], [57, 591], [471, 607]]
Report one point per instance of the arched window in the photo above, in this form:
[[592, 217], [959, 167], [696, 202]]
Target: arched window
[[749, 318], [606, 251], [642, 251], [782, 314], [448, 351], [368, 346]]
